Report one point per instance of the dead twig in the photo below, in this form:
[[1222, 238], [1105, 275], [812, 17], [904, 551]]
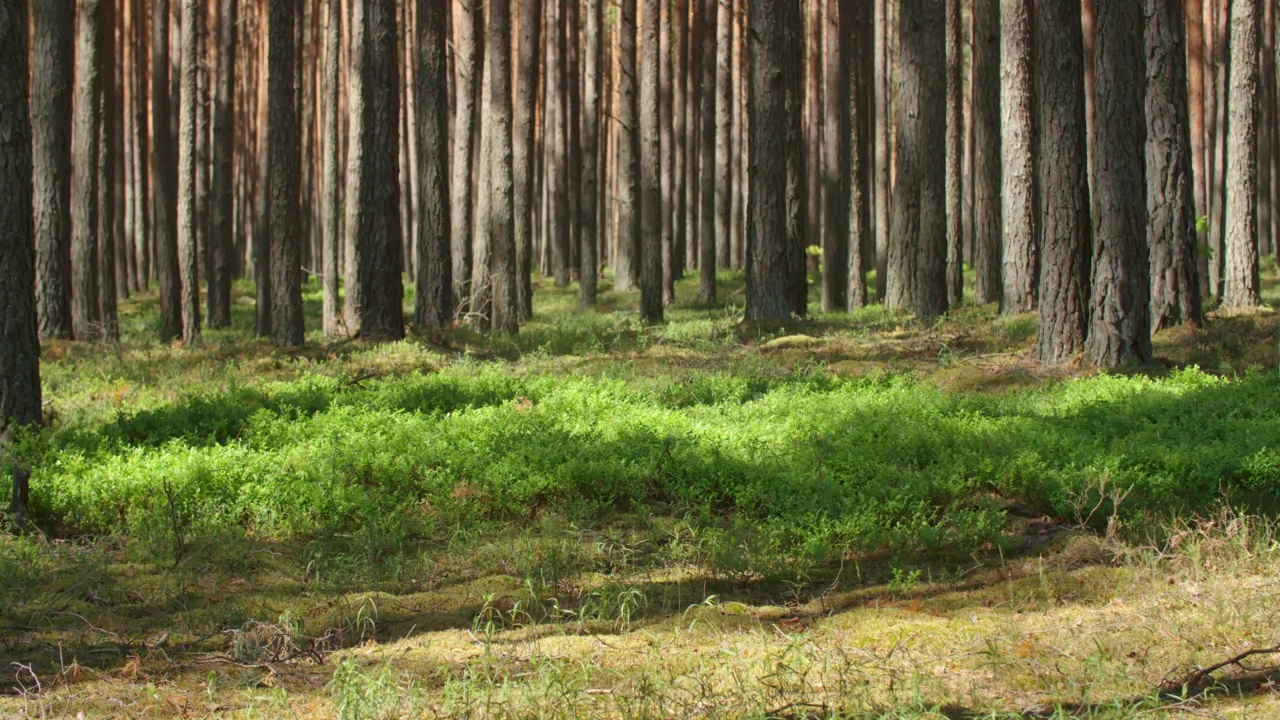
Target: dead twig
[[1196, 679]]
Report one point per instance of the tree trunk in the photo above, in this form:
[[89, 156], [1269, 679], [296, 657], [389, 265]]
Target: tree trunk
[[707, 155], [650, 168], [523, 148], [590, 191], [1218, 189], [52, 53], [1266, 124], [724, 129], [573, 137], [164, 177], [221, 241], [1196, 97], [628, 257], [434, 292], [375, 290], [284, 161], [331, 242], [467, 24], [955, 151], [1021, 256], [666, 155], [505, 316], [680, 137], [861, 246], [19, 339], [812, 121], [85, 309], [773, 49], [558, 137], [1240, 286], [1062, 171], [108, 321], [988, 218], [798, 171], [1120, 309], [1171, 225], [838, 28], [882, 183], [188, 222]]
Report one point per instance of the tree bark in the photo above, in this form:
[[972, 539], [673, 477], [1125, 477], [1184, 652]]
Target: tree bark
[[108, 321], [707, 156], [812, 120], [1120, 309], [221, 240], [680, 135], [505, 316], [188, 222], [19, 340], [955, 152], [724, 129], [628, 259], [375, 290], [1218, 190], [650, 168], [1062, 170], [164, 177], [590, 190], [558, 137], [836, 181], [523, 148], [860, 243], [467, 23], [666, 154], [1240, 287], [988, 212], [1021, 256], [330, 198], [882, 183], [86, 312], [433, 301], [284, 162], [1195, 64], [53, 38], [1171, 210]]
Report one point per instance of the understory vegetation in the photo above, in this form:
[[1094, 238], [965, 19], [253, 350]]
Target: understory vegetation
[[866, 517]]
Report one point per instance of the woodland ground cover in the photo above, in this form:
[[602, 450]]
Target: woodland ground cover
[[834, 508]]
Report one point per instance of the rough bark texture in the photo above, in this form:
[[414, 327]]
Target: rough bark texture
[[724, 129], [811, 118], [188, 221], [1171, 211], [860, 244], [221, 240], [798, 205], [505, 314], [988, 177], [650, 168], [666, 154], [590, 189], [433, 301], [284, 162], [1240, 286], [52, 53], [1120, 308], [918, 243], [523, 148], [108, 321], [837, 28], [1196, 98], [773, 45], [164, 175], [1062, 171], [707, 156], [330, 176], [467, 23], [955, 152], [558, 138], [1218, 188], [882, 182], [19, 340], [85, 309], [375, 290], [627, 260], [680, 134], [1021, 258]]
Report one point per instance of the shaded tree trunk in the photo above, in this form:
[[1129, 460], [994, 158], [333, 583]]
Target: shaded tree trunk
[[434, 292], [988, 212], [1240, 287], [590, 191], [524, 147], [52, 55], [707, 155], [1218, 187], [221, 240], [955, 151], [724, 130], [650, 168], [1197, 99], [680, 135], [108, 242], [882, 183], [558, 137], [628, 258], [330, 199], [1120, 308], [284, 160], [505, 316], [86, 312], [467, 23], [188, 164], [836, 181], [1062, 168], [164, 178], [666, 154], [1171, 211], [860, 242], [1021, 257], [375, 290]]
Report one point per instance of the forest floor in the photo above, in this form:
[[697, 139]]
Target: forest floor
[[837, 517]]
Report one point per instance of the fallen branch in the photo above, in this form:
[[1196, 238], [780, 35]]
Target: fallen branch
[[1197, 678]]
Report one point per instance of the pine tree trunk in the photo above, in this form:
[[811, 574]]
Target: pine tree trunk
[[505, 316], [800, 175], [707, 154], [812, 120], [19, 339], [680, 134], [1266, 124], [221, 241], [524, 148], [141, 141], [724, 129], [164, 177], [955, 151], [1062, 170], [188, 222], [1171, 224], [838, 28], [467, 27], [434, 292], [331, 253], [85, 309], [53, 39], [860, 244], [988, 212], [573, 137], [666, 155], [108, 322], [1240, 287], [627, 259], [772, 48], [284, 162], [1021, 254], [1197, 98], [1120, 308], [883, 187], [590, 189], [1218, 189], [737, 145], [650, 167], [375, 290], [558, 139]]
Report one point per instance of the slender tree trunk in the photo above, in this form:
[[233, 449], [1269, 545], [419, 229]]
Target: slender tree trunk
[[221, 242], [1171, 233], [524, 147], [375, 290], [434, 296], [590, 191], [812, 114], [188, 222], [108, 322], [838, 28], [1120, 319], [573, 136], [737, 144], [724, 129], [650, 168], [19, 339], [1062, 170], [692, 120], [883, 186], [988, 212], [284, 162], [164, 177], [467, 24], [1240, 287], [861, 246], [628, 260], [680, 135], [1021, 254], [505, 317], [331, 253], [1266, 124], [558, 137], [1196, 97], [666, 155], [1218, 190], [52, 53], [798, 173], [955, 152], [140, 139], [86, 311], [707, 156]]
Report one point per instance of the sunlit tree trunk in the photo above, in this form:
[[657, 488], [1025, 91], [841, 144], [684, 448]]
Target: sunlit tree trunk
[[53, 38], [1020, 247], [988, 217], [1240, 287]]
